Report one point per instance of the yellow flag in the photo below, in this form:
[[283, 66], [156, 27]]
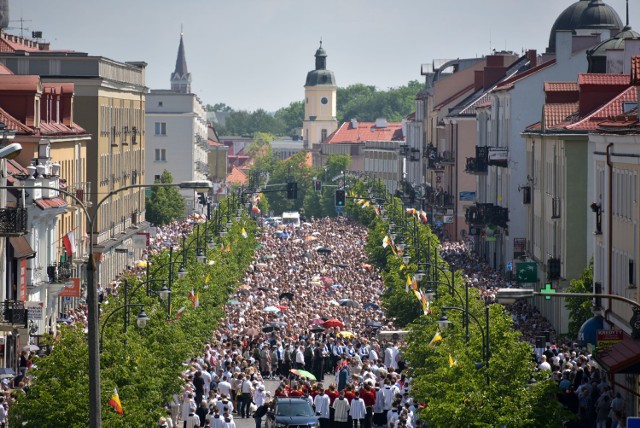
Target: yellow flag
[[436, 338], [206, 278], [244, 233], [451, 361]]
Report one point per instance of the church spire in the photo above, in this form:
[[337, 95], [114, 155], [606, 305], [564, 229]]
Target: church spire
[[181, 78]]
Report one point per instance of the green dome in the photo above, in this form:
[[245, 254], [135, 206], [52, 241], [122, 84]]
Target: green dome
[[320, 76], [585, 14], [597, 56]]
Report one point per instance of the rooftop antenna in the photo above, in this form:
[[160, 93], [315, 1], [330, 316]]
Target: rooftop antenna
[[181, 33], [627, 13], [22, 28]]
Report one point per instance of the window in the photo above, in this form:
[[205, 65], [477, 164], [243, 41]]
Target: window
[[323, 135], [159, 103], [161, 155], [157, 178], [161, 128]]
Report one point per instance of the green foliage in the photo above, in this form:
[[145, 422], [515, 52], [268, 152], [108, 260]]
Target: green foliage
[[165, 204], [580, 307], [221, 107], [248, 123], [366, 103], [290, 117], [145, 372]]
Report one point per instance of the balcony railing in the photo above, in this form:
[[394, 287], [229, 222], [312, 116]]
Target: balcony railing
[[82, 191], [13, 221], [59, 272], [476, 166], [14, 313]]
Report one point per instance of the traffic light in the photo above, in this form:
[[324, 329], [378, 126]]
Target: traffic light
[[341, 198], [292, 190], [553, 269], [202, 199], [317, 185]]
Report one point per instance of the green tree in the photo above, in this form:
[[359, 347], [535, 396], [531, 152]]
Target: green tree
[[580, 308], [291, 117], [366, 103], [164, 204], [221, 107]]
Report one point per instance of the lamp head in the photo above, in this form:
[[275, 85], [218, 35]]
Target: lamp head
[[443, 321], [211, 243], [10, 151], [182, 272], [200, 257], [164, 292], [142, 319]]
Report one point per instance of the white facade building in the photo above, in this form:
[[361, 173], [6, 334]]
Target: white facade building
[[176, 126]]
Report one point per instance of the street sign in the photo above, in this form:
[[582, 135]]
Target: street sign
[[35, 310], [547, 289], [526, 272]]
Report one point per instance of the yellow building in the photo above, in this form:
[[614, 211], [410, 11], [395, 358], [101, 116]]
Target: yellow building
[[319, 102]]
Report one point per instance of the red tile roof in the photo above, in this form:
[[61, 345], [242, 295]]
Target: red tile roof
[[214, 143], [5, 70], [49, 203], [237, 176], [610, 110], [560, 86], [557, 113], [602, 79], [366, 131], [14, 124]]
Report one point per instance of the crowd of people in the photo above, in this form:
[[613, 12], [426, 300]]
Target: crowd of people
[[306, 315]]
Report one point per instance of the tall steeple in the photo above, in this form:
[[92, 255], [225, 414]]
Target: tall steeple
[[181, 78]]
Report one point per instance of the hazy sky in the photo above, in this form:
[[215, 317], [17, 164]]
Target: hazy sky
[[254, 54]]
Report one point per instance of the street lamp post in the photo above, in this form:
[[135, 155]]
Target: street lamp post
[[93, 324], [141, 320], [443, 324]]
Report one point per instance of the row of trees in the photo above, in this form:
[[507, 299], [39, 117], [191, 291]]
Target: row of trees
[[146, 370], [445, 378], [363, 102]]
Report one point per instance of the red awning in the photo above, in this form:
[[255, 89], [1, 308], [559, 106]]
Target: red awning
[[622, 357]]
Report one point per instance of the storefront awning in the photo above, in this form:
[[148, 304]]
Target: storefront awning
[[622, 357], [21, 247]]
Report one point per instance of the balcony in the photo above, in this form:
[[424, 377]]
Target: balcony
[[448, 158], [14, 313], [479, 164], [440, 199], [59, 272], [82, 191], [13, 221], [487, 214]]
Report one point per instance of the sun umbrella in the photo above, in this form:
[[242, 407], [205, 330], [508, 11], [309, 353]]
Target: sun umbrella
[[286, 296], [323, 250], [141, 263], [271, 309], [30, 348], [278, 323], [282, 307], [346, 334], [245, 287], [316, 329], [375, 324], [270, 328], [371, 306], [334, 303], [327, 280], [6, 372], [349, 303], [263, 289], [315, 233], [337, 286], [310, 238], [233, 302], [303, 373], [317, 321], [333, 323]]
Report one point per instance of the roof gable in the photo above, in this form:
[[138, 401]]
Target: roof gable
[[612, 109], [365, 131]]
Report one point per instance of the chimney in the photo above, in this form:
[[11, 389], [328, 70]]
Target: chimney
[[354, 123], [66, 103], [564, 45], [532, 56], [479, 80]]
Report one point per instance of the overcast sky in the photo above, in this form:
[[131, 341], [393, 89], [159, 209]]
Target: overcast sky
[[254, 54]]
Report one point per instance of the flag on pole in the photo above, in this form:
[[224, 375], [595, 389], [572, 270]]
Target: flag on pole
[[192, 296], [244, 233], [196, 302], [386, 241], [115, 402], [206, 278], [69, 241], [436, 338], [406, 288], [180, 312], [423, 217], [452, 362]]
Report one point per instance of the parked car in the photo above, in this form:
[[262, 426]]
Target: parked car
[[292, 412]]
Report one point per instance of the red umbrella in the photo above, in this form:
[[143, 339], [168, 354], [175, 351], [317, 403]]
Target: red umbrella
[[333, 323], [283, 308], [317, 321]]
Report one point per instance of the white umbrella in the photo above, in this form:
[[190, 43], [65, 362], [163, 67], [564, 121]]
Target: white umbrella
[[31, 348]]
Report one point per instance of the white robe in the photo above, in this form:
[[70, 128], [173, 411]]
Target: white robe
[[358, 409], [321, 403], [341, 406]]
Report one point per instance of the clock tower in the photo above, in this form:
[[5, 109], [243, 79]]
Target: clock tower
[[319, 102]]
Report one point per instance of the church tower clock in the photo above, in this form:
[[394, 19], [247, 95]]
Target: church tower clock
[[319, 102]]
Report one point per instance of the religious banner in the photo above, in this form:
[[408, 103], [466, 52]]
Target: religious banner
[[73, 290]]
